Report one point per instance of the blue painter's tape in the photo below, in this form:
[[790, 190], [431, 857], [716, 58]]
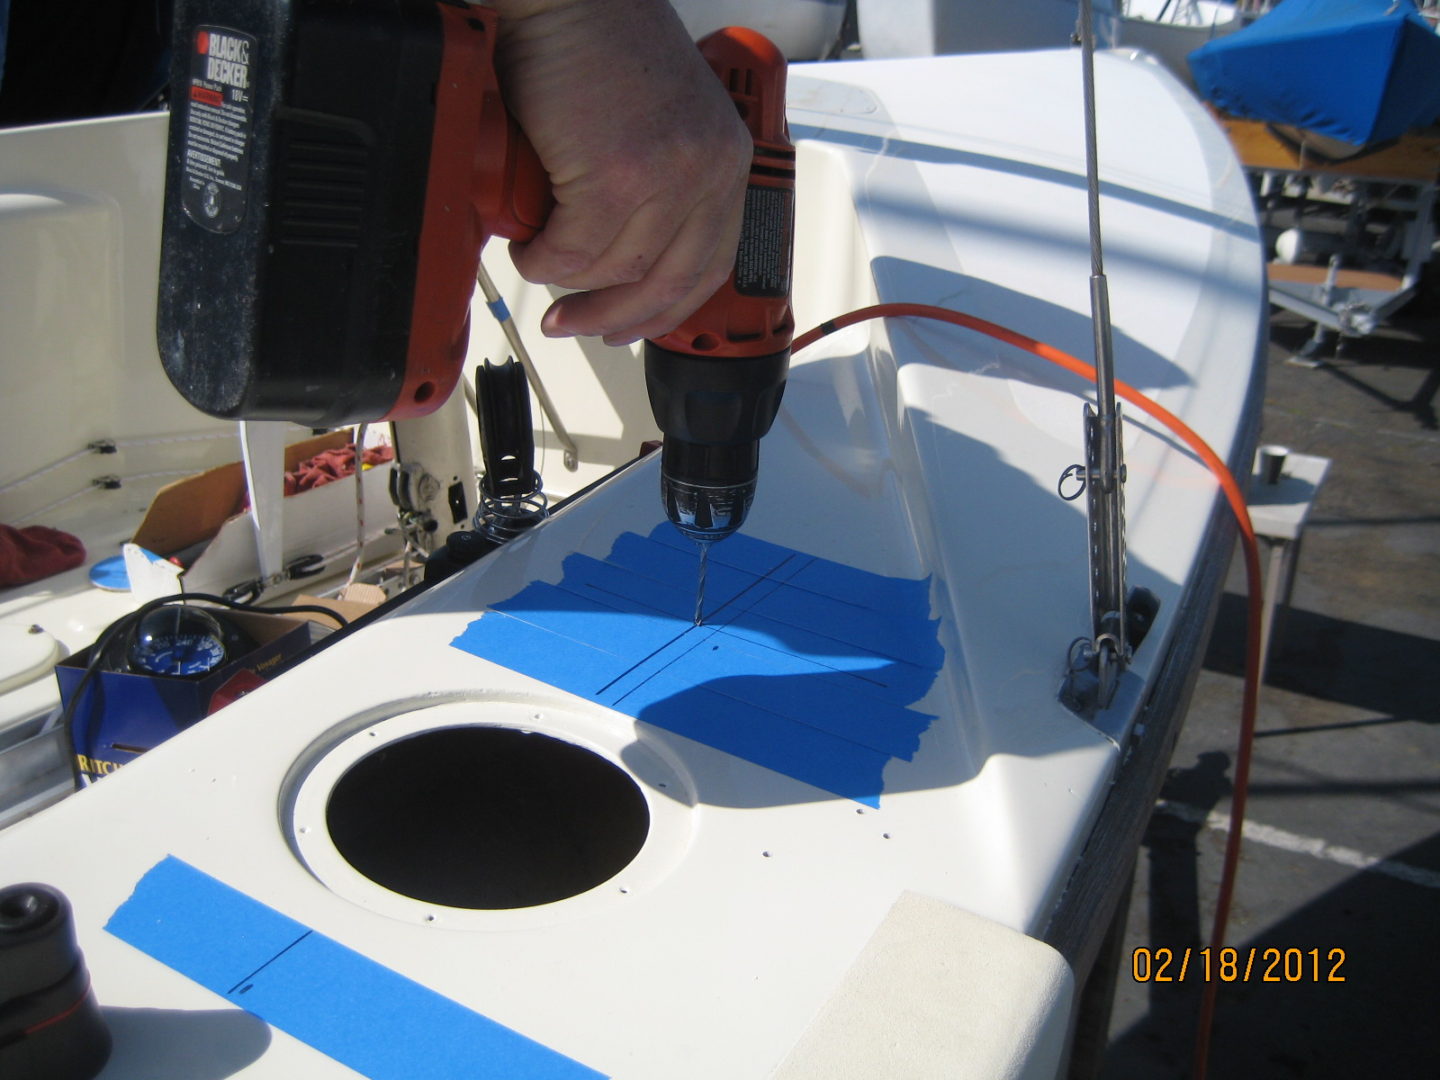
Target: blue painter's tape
[[741, 551], [498, 309], [798, 750], [627, 631], [635, 556], [908, 598], [906, 682], [897, 637], [803, 666], [349, 1007], [609, 584], [616, 692], [838, 702], [516, 644]]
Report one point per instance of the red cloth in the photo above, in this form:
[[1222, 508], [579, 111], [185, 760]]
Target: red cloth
[[330, 465], [36, 552], [326, 467]]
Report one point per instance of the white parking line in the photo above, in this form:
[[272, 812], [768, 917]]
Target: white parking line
[[1302, 845]]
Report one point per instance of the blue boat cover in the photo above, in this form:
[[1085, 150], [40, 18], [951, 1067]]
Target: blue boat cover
[[1358, 70]]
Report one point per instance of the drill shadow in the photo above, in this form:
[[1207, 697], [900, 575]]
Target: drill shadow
[[161, 1044], [834, 727]]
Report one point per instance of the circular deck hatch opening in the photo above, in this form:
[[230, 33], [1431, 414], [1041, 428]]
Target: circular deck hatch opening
[[486, 818]]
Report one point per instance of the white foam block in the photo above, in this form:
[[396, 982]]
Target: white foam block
[[939, 992]]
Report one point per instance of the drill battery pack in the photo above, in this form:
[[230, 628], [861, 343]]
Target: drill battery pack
[[334, 168]]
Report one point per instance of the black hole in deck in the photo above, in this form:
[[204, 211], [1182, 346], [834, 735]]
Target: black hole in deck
[[482, 817]]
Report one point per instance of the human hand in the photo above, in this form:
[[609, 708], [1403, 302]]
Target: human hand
[[647, 158]]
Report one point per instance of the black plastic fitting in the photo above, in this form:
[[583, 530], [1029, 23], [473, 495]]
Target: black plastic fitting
[[50, 1022]]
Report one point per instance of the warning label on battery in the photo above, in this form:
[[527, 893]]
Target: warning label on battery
[[762, 263], [218, 123]]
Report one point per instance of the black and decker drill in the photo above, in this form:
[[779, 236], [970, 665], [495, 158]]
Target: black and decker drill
[[335, 167]]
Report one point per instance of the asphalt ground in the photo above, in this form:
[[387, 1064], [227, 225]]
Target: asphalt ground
[[1342, 842]]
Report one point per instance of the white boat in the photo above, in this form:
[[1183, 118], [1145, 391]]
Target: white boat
[[891, 29], [847, 827], [1171, 30]]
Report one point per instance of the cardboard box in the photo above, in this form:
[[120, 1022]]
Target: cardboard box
[[202, 517], [120, 715]]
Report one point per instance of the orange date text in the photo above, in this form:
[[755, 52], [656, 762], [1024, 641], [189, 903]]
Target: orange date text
[[1250, 964]]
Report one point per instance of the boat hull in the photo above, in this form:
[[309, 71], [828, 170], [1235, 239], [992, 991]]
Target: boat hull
[[790, 901]]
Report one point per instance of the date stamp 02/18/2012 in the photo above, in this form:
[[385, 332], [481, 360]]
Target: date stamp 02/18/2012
[[1253, 964]]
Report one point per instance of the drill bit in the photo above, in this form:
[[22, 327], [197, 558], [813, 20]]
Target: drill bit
[[700, 583]]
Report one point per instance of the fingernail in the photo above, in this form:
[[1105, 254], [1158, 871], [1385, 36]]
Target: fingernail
[[619, 341], [552, 324]]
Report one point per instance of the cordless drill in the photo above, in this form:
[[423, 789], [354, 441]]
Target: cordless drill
[[715, 382], [336, 166]]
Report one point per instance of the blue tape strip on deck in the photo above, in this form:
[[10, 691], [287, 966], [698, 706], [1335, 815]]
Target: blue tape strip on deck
[[347, 1006], [803, 665], [838, 702], [611, 623]]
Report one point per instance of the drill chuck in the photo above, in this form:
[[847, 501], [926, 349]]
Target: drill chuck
[[703, 509], [714, 412]]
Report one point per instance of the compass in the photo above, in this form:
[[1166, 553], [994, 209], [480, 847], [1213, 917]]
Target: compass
[[181, 641]]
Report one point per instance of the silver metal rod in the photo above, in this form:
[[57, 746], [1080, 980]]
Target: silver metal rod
[[1105, 466], [1109, 476], [1092, 157], [1099, 292]]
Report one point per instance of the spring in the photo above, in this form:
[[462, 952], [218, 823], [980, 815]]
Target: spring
[[504, 517]]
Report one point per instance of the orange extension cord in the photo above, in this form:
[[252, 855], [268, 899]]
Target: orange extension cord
[[1236, 500]]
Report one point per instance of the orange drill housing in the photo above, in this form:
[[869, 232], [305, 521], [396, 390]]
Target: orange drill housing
[[485, 180], [715, 383], [750, 314]]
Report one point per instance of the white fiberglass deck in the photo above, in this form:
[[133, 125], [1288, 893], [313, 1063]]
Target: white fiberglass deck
[[916, 455]]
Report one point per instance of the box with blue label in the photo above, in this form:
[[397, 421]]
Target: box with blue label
[[167, 671]]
